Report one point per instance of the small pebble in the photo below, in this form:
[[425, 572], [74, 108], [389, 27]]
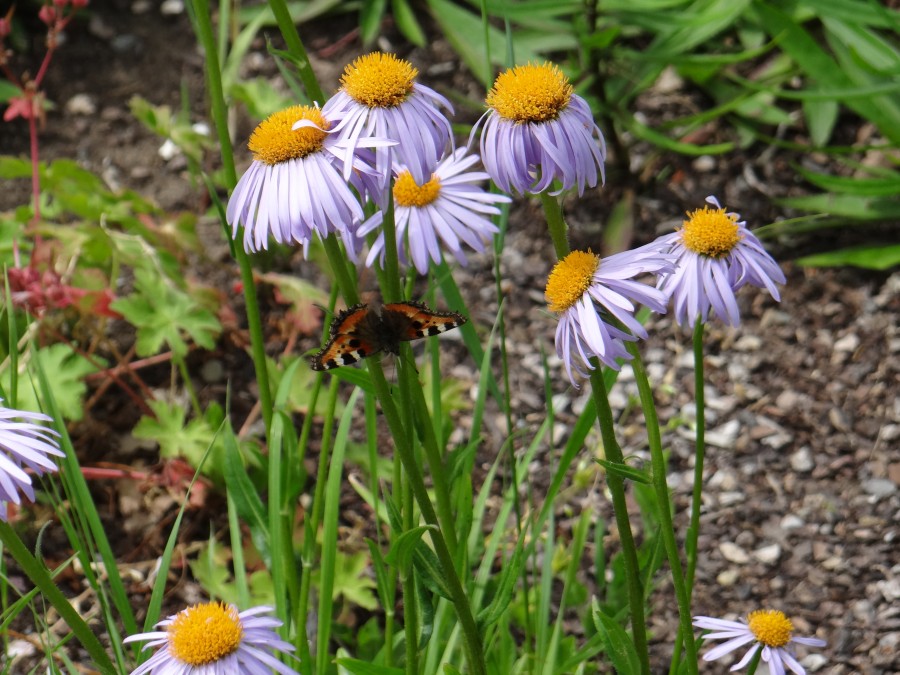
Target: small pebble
[[768, 554], [725, 435], [802, 461], [171, 7], [81, 104], [814, 662], [727, 577], [879, 487], [848, 343], [734, 553], [791, 522]]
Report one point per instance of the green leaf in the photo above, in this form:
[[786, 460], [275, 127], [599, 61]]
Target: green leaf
[[822, 68], [357, 667], [163, 315], [370, 17], [512, 569], [352, 582], [404, 547], [8, 90], [851, 207], [618, 644], [177, 438], [407, 23], [868, 257], [854, 185], [629, 472], [244, 493], [68, 370]]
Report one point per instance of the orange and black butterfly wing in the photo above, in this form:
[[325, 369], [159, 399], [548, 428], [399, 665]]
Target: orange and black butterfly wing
[[413, 320], [352, 337]]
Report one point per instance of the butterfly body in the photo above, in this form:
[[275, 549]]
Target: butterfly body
[[362, 331]]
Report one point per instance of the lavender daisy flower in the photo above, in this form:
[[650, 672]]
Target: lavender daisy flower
[[447, 210], [768, 629], [380, 98], [296, 185], [717, 255], [586, 291], [23, 444], [537, 131], [214, 639]]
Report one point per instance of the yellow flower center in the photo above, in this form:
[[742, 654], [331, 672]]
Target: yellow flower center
[[569, 279], [379, 80], [273, 141], [711, 232], [771, 627], [532, 93], [205, 633], [408, 193]]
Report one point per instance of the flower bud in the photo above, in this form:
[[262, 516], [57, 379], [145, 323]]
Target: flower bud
[[47, 14]]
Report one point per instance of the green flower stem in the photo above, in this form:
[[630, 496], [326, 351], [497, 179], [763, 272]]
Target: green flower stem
[[617, 489], [693, 531], [188, 384], [699, 455], [296, 49], [475, 652], [556, 225], [435, 461], [203, 23], [310, 540], [391, 277], [338, 263], [658, 463], [443, 535], [38, 574], [557, 228], [754, 662]]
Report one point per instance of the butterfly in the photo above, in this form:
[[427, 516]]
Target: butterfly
[[361, 331]]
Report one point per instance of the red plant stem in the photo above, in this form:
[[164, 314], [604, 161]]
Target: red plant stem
[[35, 175]]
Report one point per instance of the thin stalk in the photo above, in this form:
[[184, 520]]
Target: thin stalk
[[445, 511], [310, 538], [181, 364], [658, 463], [754, 662], [338, 264], [296, 49], [693, 531], [699, 456], [219, 110], [474, 650], [620, 508], [389, 601], [556, 225]]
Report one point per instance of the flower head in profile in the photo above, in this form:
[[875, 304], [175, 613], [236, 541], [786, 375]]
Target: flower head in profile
[[717, 255], [590, 293], [445, 212], [215, 639], [537, 130], [24, 444], [379, 97], [296, 185], [768, 629]]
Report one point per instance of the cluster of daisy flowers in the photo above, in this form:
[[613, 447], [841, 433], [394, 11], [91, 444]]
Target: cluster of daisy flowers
[[699, 269], [330, 171], [383, 137]]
